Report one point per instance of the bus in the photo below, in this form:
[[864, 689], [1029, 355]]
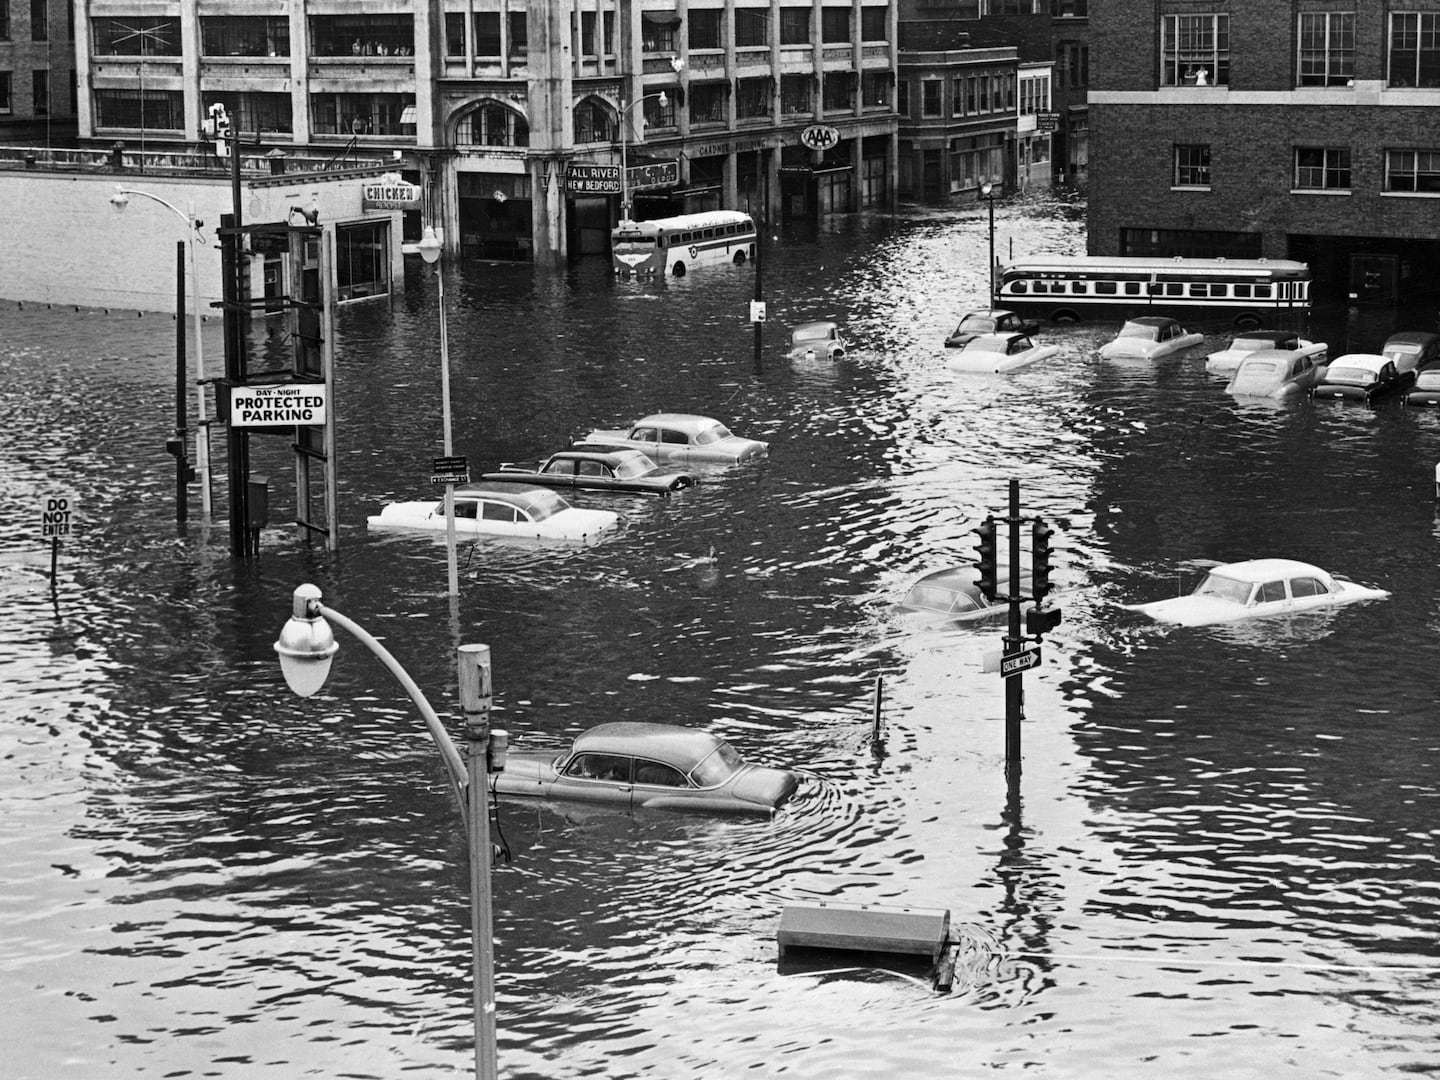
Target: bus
[[675, 245], [1249, 292]]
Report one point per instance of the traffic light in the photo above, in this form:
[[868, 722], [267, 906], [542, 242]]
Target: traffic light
[[1040, 534], [985, 559], [1040, 621]]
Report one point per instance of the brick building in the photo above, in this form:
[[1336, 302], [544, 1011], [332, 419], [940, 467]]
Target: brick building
[[1243, 129], [37, 73]]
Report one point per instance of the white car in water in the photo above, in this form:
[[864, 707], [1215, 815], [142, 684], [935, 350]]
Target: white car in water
[[1226, 361], [1256, 589], [495, 508]]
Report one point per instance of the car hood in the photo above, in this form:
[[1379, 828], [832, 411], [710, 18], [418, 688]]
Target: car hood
[[764, 786], [1192, 610]]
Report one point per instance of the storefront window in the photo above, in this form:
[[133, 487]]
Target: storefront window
[[362, 260]]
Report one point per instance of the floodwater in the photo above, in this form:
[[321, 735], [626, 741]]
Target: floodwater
[[1220, 859]]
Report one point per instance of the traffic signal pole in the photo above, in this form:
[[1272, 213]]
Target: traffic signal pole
[[1014, 686]]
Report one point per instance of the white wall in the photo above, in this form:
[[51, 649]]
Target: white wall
[[63, 242]]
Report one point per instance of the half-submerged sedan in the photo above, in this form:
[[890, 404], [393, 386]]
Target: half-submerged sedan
[[1276, 373], [997, 321], [1361, 377], [953, 595], [999, 353], [1256, 589], [816, 341], [630, 765], [1426, 390], [1148, 338], [1412, 350], [1226, 361], [518, 511], [596, 468], [681, 437]]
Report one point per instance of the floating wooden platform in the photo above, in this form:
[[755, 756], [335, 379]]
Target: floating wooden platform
[[867, 928]]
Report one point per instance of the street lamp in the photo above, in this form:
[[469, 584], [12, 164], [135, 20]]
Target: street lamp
[[120, 199], [306, 647], [430, 250], [987, 192], [624, 142]]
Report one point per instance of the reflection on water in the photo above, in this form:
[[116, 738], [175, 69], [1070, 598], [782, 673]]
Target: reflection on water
[[1222, 850]]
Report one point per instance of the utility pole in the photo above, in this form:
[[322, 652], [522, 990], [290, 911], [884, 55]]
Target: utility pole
[[759, 248]]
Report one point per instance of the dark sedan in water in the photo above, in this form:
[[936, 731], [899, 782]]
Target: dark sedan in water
[[597, 468], [657, 766]]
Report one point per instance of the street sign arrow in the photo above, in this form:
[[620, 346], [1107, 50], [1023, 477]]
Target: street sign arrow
[[1015, 663]]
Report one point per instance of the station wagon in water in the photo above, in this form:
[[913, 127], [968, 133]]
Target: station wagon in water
[[1256, 589], [1148, 338], [629, 766], [596, 468], [1227, 360], [517, 511], [681, 437]]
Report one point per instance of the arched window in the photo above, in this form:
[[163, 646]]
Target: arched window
[[493, 124], [594, 122]]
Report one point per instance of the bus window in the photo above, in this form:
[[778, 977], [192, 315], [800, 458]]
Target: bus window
[[1174, 288], [1107, 288], [1199, 288], [1080, 288], [1019, 288], [1132, 288], [1263, 292], [707, 234]]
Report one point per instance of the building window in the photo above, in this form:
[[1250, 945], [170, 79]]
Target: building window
[[5, 107], [1195, 50], [1034, 96], [657, 31], [707, 103], [1327, 48], [243, 35], [493, 124], [1414, 49], [1192, 166], [874, 24], [705, 29], [875, 90], [487, 34], [839, 92], [454, 33], [358, 114], [4, 20], [752, 28], [1322, 167], [589, 46], [661, 113], [902, 97], [362, 35], [254, 111], [1072, 65], [362, 260], [794, 26], [39, 19], [1412, 170], [795, 94], [162, 110], [141, 36], [40, 91], [975, 160], [835, 25], [931, 93], [519, 35], [593, 123], [1073, 8], [752, 98]]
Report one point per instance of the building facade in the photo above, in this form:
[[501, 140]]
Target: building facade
[[37, 73], [1226, 128], [490, 105]]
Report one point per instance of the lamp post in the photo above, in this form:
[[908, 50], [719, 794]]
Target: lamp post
[[987, 192], [121, 199], [624, 144], [430, 250], [306, 647]]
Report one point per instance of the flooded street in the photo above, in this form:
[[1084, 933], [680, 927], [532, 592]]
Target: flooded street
[[1222, 861]]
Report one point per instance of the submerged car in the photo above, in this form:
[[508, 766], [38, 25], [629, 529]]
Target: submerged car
[[953, 595], [996, 321], [1149, 337], [1256, 589], [491, 508], [1412, 350], [1426, 390], [1227, 360], [681, 437], [1276, 373], [595, 468], [1361, 377], [816, 341], [999, 353], [656, 766]]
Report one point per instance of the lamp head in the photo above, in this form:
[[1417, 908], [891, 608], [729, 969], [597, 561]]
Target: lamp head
[[664, 101], [429, 245], [306, 644], [986, 189], [119, 199]]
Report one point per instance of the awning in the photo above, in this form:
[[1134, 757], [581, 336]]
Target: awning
[[661, 18]]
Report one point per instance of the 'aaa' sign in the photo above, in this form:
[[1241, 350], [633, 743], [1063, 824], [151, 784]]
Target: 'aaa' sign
[[277, 406]]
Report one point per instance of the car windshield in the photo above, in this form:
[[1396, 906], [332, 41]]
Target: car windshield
[[978, 324], [716, 767], [1350, 375], [1260, 367], [630, 467], [1224, 588], [1139, 330], [988, 344], [712, 434], [1428, 380], [1401, 348]]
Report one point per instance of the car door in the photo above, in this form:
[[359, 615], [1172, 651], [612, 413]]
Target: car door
[[1270, 598], [1308, 592], [657, 783], [602, 779], [499, 519], [560, 472]]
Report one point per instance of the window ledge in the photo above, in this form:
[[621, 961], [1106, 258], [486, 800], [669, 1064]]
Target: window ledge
[[1344, 192], [1410, 194], [1190, 187]]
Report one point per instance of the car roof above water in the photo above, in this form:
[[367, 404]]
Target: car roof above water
[[680, 746], [1262, 570]]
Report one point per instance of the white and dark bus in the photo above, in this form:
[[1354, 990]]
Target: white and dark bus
[[1248, 292], [676, 245]]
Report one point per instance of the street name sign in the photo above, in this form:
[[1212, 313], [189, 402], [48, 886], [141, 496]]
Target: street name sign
[[277, 406], [449, 470], [593, 179], [1015, 663]]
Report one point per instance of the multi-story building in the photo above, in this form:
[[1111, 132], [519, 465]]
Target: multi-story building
[[37, 72], [492, 105], [1236, 129]]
